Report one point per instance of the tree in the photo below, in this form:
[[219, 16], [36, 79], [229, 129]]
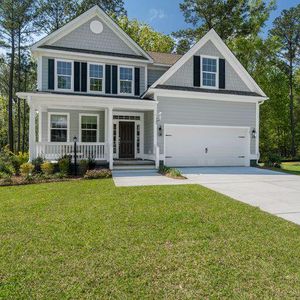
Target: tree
[[145, 36], [286, 28], [182, 46], [109, 6], [230, 19]]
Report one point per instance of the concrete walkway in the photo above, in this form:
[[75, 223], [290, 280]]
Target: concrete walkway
[[273, 192]]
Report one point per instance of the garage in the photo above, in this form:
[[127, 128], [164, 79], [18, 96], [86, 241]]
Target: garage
[[192, 145]]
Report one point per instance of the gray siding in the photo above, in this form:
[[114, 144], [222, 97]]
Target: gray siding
[[206, 112], [148, 132], [184, 76], [74, 123], [83, 38], [154, 74]]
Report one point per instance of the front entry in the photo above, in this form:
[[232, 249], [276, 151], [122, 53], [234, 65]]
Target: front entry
[[126, 140]]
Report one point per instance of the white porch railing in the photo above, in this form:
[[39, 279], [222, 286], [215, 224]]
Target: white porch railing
[[53, 151]]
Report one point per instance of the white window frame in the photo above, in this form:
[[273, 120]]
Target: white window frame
[[49, 125], [72, 74], [133, 81], [89, 78], [80, 129], [217, 72]]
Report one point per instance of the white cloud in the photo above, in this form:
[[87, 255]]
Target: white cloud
[[156, 14]]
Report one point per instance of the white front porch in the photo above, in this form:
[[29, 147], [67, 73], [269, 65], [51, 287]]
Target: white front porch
[[126, 128]]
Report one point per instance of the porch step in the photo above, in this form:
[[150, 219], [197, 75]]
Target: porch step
[[134, 167], [136, 162]]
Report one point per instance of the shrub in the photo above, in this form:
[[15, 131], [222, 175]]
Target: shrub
[[91, 164], [5, 178], [26, 169], [164, 170], [64, 164], [175, 173], [83, 166], [7, 161], [37, 162], [171, 172], [98, 174], [273, 160], [47, 168]]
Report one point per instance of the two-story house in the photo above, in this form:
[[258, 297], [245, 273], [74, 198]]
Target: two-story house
[[123, 103]]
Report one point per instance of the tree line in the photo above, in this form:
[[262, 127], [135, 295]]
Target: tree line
[[271, 58]]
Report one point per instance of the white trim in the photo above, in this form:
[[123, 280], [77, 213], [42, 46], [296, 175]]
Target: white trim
[[80, 129], [132, 82], [206, 96], [39, 73], [136, 122], [49, 125], [89, 78], [216, 87], [55, 75], [83, 18], [226, 52]]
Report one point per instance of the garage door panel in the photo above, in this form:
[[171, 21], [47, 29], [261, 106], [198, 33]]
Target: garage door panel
[[206, 146]]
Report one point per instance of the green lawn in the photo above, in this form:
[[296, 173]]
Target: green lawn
[[291, 167], [90, 240]]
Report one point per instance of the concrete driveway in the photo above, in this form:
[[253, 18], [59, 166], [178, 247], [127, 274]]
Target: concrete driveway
[[273, 192]]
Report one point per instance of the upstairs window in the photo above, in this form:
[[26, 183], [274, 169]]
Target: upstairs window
[[96, 78], [58, 128], [126, 80], [89, 128], [64, 75], [209, 72]]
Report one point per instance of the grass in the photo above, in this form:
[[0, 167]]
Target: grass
[[91, 240], [288, 167]]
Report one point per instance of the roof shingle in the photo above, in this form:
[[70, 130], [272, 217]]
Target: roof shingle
[[164, 58]]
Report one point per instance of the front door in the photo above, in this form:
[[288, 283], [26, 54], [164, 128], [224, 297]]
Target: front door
[[126, 137]]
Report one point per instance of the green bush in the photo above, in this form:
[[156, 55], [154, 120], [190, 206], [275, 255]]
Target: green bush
[[37, 162], [164, 170], [172, 172], [175, 173], [27, 169], [5, 178], [83, 166], [47, 168], [98, 174], [7, 161], [64, 165], [273, 160]]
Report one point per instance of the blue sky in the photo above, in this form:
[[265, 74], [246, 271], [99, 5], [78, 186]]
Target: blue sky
[[165, 16]]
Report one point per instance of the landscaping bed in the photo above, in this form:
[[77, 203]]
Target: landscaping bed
[[171, 172]]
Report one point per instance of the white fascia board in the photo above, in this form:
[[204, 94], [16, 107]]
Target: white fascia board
[[205, 96], [82, 101], [226, 52], [86, 56], [83, 18]]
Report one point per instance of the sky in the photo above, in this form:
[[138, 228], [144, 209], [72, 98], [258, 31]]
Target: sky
[[165, 15]]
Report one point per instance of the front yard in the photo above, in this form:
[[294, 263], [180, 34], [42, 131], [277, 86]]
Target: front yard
[[90, 240]]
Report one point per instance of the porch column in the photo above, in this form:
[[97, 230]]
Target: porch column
[[109, 125], [155, 147], [32, 134]]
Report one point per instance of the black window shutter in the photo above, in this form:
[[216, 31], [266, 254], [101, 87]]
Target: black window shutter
[[77, 76], [222, 73], [197, 71], [114, 79], [83, 77], [108, 79], [51, 74], [137, 81]]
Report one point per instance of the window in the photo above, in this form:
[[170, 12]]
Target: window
[[58, 128], [64, 75], [126, 80], [209, 72], [96, 78], [89, 128]]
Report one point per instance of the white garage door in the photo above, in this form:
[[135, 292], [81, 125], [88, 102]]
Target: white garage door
[[187, 145]]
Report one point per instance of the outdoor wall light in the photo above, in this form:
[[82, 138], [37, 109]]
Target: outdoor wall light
[[75, 139], [253, 133], [160, 131]]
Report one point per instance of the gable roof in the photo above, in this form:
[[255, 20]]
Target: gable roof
[[226, 52], [167, 59], [83, 18]]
